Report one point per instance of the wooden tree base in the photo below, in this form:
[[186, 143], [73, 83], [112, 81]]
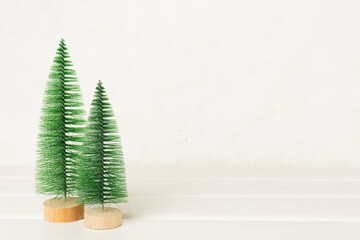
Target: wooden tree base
[[97, 218], [58, 210]]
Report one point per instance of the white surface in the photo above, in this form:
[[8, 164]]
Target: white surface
[[187, 203], [201, 82], [179, 230]]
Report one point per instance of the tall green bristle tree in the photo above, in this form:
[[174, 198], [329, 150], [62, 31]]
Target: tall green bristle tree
[[102, 171], [61, 129]]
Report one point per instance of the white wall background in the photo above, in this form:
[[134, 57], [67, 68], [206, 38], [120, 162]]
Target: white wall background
[[201, 82]]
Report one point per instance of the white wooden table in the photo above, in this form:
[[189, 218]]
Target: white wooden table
[[202, 203]]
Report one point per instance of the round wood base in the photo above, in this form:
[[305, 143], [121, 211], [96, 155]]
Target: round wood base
[[58, 210], [97, 218]]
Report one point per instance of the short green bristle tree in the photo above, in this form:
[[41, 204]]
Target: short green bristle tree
[[61, 129], [102, 171]]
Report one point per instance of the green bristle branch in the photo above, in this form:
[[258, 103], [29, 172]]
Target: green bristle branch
[[102, 171], [61, 129]]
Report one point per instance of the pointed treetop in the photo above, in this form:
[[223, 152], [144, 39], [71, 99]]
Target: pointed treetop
[[101, 88]]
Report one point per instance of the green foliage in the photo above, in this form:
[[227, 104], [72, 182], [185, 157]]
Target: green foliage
[[102, 170], [61, 129]]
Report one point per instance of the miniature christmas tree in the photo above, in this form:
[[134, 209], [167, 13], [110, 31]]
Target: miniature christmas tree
[[61, 131], [102, 170]]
